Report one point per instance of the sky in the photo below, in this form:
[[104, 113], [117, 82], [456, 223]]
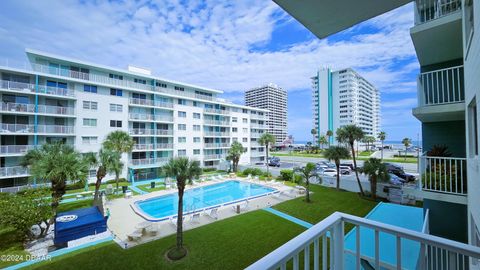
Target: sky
[[227, 45]]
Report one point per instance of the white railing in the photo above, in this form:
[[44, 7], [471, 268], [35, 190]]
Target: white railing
[[48, 109], [442, 86], [55, 129], [13, 171], [56, 91], [148, 102], [216, 134], [152, 146], [150, 117], [15, 149], [148, 131], [427, 10], [30, 88], [257, 116], [257, 153], [256, 134], [216, 145], [215, 156], [257, 126], [216, 122], [17, 128], [148, 161], [434, 252], [215, 111], [18, 107], [444, 174]]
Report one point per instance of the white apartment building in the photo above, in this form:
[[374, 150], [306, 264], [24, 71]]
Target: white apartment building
[[343, 97], [274, 99], [57, 98]]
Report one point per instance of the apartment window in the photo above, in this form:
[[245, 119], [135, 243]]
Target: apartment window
[[196, 116], [142, 81], [234, 119], [196, 152], [116, 107], [245, 140], [245, 130], [115, 76], [115, 123], [234, 139], [234, 129], [245, 120], [89, 122], [182, 127], [182, 102], [472, 129], [160, 84], [182, 153], [90, 88], [244, 110], [469, 22], [90, 105], [178, 88], [195, 104], [196, 139], [89, 140], [92, 173], [116, 92], [182, 139], [196, 127]]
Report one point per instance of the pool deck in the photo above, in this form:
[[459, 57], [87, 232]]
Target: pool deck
[[123, 220]]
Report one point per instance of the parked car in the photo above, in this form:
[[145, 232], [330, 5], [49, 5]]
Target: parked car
[[274, 161], [345, 170], [398, 171], [395, 180], [350, 165], [330, 172]]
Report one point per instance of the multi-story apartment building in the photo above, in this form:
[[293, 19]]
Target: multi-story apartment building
[[343, 97], [448, 50], [274, 99], [60, 99]]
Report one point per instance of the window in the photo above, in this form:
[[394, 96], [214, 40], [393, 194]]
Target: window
[[234, 129], [116, 92], [245, 120], [89, 140], [245, 130], [92, 173], [90, 105], [234, 139], [245, 140], [90, 88], [234, 119], [469, 22], [472, 129], [196, 152], [115, 123], [182, 114], [195, 104], [182, 102], [182, 153], [196, 127], [89, 122], [196, 139], [160, 84], [244, 110], [182, 127], [178, 88], [115, 76], [196, 116], [116, 107], [182, 139], [142, 81]]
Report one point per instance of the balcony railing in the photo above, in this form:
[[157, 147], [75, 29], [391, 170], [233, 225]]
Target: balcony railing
[[443, 86], [151, 146], [15, 149], [56, 91], [149, 161], [150, 117], [147, 131], [216, 145], [324, 245], [13, 171], [55, 129], [48, 109], [258, 126], [444, 174], [215, 156], [216, 134], [428, 10], [209, 122], [256, 135], [215, 111], [148, 102], [42, 89], [17, 128]]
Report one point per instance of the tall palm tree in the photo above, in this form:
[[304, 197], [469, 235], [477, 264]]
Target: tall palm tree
[[120, 142], [406, 142], [382, 136], [266, 140], [313, 132], [337, 153], [56, 163], [376, 171], [306, 173], [329, 135], [106, 162], [183, 170], [349, 134], [234, 153], [322, 141]]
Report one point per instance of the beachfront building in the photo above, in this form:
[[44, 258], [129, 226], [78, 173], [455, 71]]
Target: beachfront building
[[274, 99], [448, 50], [57, 98], [344, 97]]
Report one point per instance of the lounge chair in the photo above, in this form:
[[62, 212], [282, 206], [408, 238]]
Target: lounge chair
[[134, 236], [152, 230], [173, 220], [242, 206], [256, 179], [221, 178], [142, 226], [249, 177], [213, 213], [195, 218]]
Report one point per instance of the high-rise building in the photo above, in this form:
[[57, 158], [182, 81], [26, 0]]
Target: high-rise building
[[343, 97], [274, 99], [78, 103]]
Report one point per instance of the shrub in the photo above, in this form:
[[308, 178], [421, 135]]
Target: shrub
[[286, 175], [208, 169], [266, 174], [298, 179], [112, 181], [76, 185], [252, 171]]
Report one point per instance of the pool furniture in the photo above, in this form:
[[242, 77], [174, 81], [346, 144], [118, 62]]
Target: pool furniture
[[173, 220], [142, 226], [243, 206], [232, 175], [128, 194], [152, 230], [301, 190], [256, 179], [195, 217], [213, 213], [249, 177], [134, 236]]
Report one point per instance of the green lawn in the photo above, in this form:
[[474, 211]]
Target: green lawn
[[10, 244], [396, 160], [295, 154], [365, 153], [147, 188], [102, 186]]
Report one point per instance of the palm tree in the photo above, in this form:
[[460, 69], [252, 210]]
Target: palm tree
[[329, 135], [376, 171], [234, 153], [266, 140], [322, 141], [313, 132], [183, 170], [349, 134], [406, 142], [56, 163], [107, 161], [382, 136], [120, 142], [337, 153], [307, 172]]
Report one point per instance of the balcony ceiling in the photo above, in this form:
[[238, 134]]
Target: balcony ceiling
[[438, 40], [440, 113], [326, 17]]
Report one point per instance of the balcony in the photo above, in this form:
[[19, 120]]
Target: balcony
[[209, 122], [441, 95], [257, 153], [216, 145], [16, 171], [428, 10], [13, 150], [150, 103], [446, 175], [216, 134], [17, 129], [215, 111], [256, 134], [148, 162], [151, 147], [55, 129], [150, 117], [150, 132], [214, 157], [324, 245], [258, 126], [42, 89]]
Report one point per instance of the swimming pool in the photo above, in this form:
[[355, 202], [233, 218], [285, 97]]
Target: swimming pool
[[394, 214], [196, 199]]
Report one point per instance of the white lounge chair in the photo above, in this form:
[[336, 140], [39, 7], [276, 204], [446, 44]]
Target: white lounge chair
[[195, 218], [243, 206], [134, 236], [256, 179], [152, 230], [249, 177], [221, 178], [213, 213], [173, 220]]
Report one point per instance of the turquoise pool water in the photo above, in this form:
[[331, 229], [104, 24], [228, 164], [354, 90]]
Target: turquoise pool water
[[399, 215], [159, 208]]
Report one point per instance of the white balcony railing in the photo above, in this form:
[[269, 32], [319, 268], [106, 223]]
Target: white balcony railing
[[148, 102], [13, 171], [153, 132], [55, 129], [150, 117], [443, 86], [215, 156], [56, 91], [209, 122], [215, 111], [427, 10], [258, 126], [216, 145], [151, 146], [216, 134], [18, 107], [149, 161], [444, 174], [30, 88], [17, 128], [15, 149], [324, 245]]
